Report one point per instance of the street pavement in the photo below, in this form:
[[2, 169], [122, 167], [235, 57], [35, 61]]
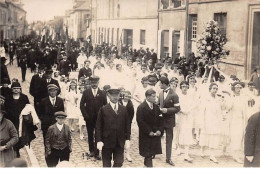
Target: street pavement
[[80, 147]]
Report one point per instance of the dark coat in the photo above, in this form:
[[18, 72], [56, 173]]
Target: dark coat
[[9, 137], [47, 110], [90, 105], [252, 141], [149, 121], [171, 103], [85, 72], [64, 67], [36, 89], [52, 134], [130, 110], [112, 128], [4, 73], [45, 88], [6, 91], [15, 107]]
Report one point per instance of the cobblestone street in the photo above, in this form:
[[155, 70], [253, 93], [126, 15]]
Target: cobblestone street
[[81, 146]]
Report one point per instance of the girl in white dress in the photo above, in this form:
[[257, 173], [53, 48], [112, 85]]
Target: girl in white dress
[[237, 119], [185, 120], [211, 127], [71, 98], [82, 122]]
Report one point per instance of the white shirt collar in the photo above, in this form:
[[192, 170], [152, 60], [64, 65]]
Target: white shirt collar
[[113, 105], [124, 103], [149, 104], [51, 98], [59, 126]]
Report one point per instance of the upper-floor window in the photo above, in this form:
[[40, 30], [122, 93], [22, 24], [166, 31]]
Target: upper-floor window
[[142, 37], [166, 4], [221, 19], [194, 27]]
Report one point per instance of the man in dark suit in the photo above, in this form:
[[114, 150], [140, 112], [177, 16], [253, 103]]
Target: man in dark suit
[[169, 106], [48, 106], [91, 102], [36, 88], [150, 128], [49, 80], [64, 66], [252, 142], [113, 130], [85, 71], [153, 56]]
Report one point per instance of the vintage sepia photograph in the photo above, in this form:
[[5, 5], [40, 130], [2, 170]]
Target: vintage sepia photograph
[[130, 84]]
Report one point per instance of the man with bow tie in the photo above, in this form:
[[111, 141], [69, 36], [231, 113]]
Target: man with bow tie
[[48, 107], [169, 106], [91, 102], [113, 130]]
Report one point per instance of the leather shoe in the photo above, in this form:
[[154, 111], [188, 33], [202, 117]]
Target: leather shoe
[[170, 162], [97, 157], [91, 154]]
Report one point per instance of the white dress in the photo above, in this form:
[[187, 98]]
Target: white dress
[[185, 120], [71, 104], [82, 122], [211, 127], [237, 119]]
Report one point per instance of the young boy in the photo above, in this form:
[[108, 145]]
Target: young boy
[[58, 141]]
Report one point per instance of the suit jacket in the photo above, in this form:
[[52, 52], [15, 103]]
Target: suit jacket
[[36, 89], [171, 103], [148, 120], [52, 134], [85, 72], [90, 105], [252, 140], [112, 128], [130, 109], [45, 84], [47, 111]]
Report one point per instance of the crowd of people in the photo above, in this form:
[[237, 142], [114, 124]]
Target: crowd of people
[[182, 101]]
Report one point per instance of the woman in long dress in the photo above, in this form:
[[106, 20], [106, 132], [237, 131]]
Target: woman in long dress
[[82, 122], [185, 120], [71, 98], [211, 127], [237, 119]]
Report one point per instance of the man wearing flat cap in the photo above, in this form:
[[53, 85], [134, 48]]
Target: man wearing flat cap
[[58, 141], [49, 80], [85, 71], [48, 106], [255, 78], [113, 130], [91, 102]]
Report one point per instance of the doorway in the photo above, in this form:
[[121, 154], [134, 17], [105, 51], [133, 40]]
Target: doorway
[[128, 37]]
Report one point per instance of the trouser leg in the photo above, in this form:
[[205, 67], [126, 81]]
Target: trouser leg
[[53, 159], [107, 156], [169, 137], [65, 154], [90, 130], [118, 156]]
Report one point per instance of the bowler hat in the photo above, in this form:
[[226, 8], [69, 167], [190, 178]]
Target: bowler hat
[[60, 113], [94, 78]]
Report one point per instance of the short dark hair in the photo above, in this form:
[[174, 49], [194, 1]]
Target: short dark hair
[[212, 84], [164, 80], [149, 92]]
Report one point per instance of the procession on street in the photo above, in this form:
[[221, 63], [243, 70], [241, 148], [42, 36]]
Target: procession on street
[[101, 93]]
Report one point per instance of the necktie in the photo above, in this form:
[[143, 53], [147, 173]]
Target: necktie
[[115, 109], [151, 106], [53, 101], [166, 90]]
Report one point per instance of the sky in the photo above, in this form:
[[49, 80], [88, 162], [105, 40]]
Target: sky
[[45, 10]]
